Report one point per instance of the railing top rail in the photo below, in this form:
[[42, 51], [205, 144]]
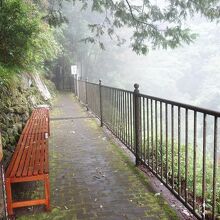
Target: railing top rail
[[183, 105], [81, 80], [91, 83], [167, 101], [123, 90]]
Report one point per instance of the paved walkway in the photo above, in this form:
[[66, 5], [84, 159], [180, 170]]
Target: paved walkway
[[91, 178]]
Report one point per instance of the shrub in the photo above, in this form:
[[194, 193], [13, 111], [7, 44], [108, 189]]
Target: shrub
[[25, 39]]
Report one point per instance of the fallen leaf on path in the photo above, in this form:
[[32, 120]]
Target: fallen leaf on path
[[186, 212], [157, 194]]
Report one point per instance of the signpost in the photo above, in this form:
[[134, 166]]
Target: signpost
[[74, 69]]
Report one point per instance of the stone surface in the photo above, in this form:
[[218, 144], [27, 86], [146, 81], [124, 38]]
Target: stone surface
[[17, 101], [92, 178]]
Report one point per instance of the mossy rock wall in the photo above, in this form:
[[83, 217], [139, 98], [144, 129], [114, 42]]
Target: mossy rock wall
[[18, 98]]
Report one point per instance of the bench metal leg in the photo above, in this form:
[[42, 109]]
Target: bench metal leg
[[47, 191], [9, 196]]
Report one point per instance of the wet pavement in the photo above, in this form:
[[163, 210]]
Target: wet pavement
[[91, 177]]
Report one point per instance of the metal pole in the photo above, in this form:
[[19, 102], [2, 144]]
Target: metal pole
[[74, 84], [70, 78], [87, 107], [76, 89], [137, 124], [100, 99], [81, 69], [62, 75]]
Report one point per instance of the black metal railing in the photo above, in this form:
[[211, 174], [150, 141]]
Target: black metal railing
[[82, 90], [177, 142], [117, 112], [93, 98]]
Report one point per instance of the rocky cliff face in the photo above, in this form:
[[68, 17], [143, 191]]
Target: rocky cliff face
[[17, 102]]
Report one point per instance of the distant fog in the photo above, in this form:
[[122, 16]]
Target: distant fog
[[189, 74]]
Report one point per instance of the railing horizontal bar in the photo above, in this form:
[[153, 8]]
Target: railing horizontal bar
[[122, 90], [92, 83], [182, 105], [179, 104]]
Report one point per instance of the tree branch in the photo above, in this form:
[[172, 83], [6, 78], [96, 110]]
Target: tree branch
[[139, 21]]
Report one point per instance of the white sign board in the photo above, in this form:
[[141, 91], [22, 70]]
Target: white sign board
[[74, 69]]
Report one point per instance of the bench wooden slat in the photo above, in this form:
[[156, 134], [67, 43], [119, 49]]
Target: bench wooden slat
[[19, 169], [25, 159], [42, 158], [28, 161], [34, 130], [31, 165], [17, 149], [21, 157], [37, 160], [46, 162], [28, 130], [29, 156], [20, 151], [41, 124]]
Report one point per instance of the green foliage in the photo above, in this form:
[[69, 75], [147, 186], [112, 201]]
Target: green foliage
[[43, 48], [154, 25], [25, 40], [19, 22], [155, 154], [8, 76], [55, 18]]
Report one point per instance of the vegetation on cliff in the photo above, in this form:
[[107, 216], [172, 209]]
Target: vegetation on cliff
[[27, 42]]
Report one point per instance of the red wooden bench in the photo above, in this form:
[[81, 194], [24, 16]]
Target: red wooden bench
[[30, 159]]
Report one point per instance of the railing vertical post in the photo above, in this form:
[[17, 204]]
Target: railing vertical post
[[74, 84], [100, 98], [87, 107], [76, 89], [62, 73], [137, 124], [61, 82]]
